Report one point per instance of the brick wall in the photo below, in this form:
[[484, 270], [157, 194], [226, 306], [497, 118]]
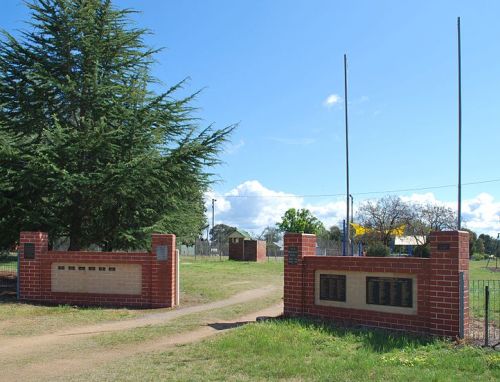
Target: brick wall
[[157, 277], [436, 303]]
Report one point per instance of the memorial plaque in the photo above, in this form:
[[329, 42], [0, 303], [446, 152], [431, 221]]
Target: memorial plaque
[[29, 251], [162, 253], [332, 287], [444, 247], [293, 255], [389, 291]]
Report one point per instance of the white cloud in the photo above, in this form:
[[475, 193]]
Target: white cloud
[[332, 99], [265, 207], [482, 214]]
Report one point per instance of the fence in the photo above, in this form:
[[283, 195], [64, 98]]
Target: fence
[[484, 308], [217, 251], [328, 247], [205, 250], [8, 275]]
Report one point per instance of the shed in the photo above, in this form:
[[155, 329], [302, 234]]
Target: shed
[[243, 248]]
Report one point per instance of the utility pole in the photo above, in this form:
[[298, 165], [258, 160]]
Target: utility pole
[[348, 241], [213, 216], [459, 128], [352, 208]]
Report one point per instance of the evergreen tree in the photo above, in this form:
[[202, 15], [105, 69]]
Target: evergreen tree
[[301, 220], [88, 150]]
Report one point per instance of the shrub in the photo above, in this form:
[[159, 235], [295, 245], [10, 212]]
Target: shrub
[[378, 250], [422, 251], [478, 256]]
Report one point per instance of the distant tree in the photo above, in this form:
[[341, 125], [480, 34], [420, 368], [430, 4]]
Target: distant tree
[[383, 217], [270, 235], [479, 246], [490, 244], [300, 221], [333, 234], [220, 233], [426, 218]]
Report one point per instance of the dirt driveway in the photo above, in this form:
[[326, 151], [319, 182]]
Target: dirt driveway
[[12, 351]]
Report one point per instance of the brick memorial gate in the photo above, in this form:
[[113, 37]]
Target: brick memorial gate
[[422, 295], [131, 279]]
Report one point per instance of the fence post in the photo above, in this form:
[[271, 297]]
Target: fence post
[[18, 275], [486, 318], [461, 303]]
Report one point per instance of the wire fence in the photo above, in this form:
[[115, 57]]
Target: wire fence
[[219, 251], [328, 247], [8, 274], [484, 312]]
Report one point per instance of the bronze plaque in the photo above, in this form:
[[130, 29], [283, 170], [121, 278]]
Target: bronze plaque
[[293, 255], [332, 287], [162, 253], [390, 291], [29, 251], [444, 247]]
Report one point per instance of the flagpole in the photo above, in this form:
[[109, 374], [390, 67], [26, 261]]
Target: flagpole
[[348, 241], [459, 129]]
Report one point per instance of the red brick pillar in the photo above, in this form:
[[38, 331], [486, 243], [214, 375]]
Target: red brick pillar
[[296, 246], [163, 271], [449, 258], [32, 247]]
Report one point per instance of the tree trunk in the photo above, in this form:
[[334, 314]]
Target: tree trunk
[[75, 229]]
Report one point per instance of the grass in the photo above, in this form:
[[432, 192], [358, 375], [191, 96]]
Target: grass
[[124, 339], [300, 350], [19, 319], [8, 262], [202, 281], [478, 270], [208, 280]]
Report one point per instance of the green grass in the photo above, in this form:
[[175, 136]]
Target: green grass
[[300, 350], [8, 262], [478, 270], [202, 281], [208, 280], [19, 319]]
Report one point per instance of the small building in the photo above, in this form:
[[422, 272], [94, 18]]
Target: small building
[[408, 243], [243, 248]]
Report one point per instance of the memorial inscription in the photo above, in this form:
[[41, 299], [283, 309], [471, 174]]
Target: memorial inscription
[[332, 287], [293, 255], [443, 247], [389, 291], [162, 253], [29, 251]]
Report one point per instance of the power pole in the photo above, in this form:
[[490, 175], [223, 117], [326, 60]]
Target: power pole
[[352, 208], [213, 216], [348, 241], [459, 128]]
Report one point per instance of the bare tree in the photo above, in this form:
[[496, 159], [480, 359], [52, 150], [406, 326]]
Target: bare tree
[[431, 217], [384, 217], [271, 235]]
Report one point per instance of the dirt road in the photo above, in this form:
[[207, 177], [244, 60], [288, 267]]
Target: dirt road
[[72, 363]]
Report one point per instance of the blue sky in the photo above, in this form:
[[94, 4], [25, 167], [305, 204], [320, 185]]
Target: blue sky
[[271, 65]]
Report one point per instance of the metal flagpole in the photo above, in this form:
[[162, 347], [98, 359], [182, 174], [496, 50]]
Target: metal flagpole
[[459, 128], [348, 241]]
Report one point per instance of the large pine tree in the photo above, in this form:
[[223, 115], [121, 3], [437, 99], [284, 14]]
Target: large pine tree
[[88, 150]]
